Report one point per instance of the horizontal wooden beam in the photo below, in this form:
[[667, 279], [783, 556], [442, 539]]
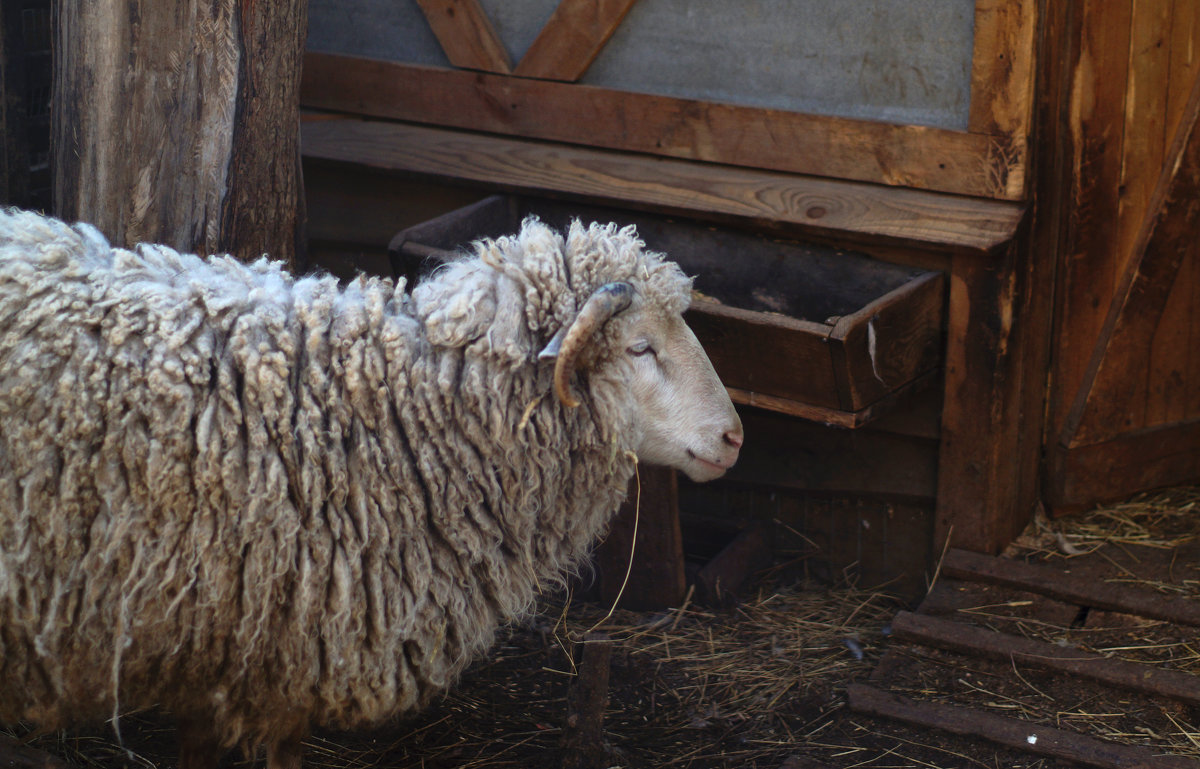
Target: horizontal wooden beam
[[969, 639], [1025, 736], [1060, 584], [1082, 476], [920, 157], [784, 202]]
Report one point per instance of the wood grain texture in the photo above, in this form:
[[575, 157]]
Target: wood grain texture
[[783, 202], [1165, 455], [1011, 732], [177, 123], [1027, 652], [1080, 590], [889, 342], [1002, 67], [898, 155], [985, 489], [1112, 392], [1173, 377], [572, 38], [1097, 34], [263, 209], [739, 342], [466, 35]]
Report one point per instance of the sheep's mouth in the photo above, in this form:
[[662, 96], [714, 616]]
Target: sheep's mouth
[[710, 468]]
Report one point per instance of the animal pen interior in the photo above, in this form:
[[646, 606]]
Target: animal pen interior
[[1028, 352], [943, 255]]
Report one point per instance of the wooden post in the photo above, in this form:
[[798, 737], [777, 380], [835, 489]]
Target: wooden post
[[179, 123], [583, 734], [656, 576]]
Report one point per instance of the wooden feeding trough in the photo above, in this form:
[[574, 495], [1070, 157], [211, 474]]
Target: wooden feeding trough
[[811, 331]]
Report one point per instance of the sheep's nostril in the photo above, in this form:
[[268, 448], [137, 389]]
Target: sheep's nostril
[[734, 438]]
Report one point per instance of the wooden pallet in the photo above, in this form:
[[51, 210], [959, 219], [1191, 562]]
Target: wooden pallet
[[1066, 594]]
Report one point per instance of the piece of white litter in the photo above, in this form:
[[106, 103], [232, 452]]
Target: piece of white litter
[[1031, 739]]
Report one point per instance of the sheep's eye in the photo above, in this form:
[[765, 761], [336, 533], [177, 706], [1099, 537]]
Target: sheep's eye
[[641, 348]]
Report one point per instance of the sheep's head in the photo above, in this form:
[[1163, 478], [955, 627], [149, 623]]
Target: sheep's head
[[682, 412]]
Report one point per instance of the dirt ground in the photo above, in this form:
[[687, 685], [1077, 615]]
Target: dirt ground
[[763, 684]]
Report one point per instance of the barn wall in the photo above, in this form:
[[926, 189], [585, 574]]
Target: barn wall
[[900, 61], [1126, 76]]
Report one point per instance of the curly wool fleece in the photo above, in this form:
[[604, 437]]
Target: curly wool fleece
[[271, 502]]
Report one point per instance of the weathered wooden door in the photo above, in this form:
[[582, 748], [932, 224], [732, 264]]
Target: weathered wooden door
[[1125, 388]]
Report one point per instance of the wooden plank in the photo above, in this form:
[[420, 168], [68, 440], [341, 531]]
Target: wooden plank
[[1103, 406], [1146, 142], [177, 124], [1185, 66], [583, 733], [1174, 375], [981, 483], [899, 155], [830, 463], [1002, 68], [1165, 455], [738, 341], [968, 639], [1024, 736], [890, 405], [718, 581], [784, 202], [889, 342], [466, 35], [1059, 583], [1096, 71], [571, 39]]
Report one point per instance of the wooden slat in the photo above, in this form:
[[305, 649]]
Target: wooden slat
[[1166, 455], [834, 417], [1145, 145], [842, 148], [1025, 736], [1002, 67], [1061, 584], [891, 340], [572, 38], [1175, 354], [1095, 73], [785, 202], [1185, 65], [1103, 406], [466, 35], [968, 639]]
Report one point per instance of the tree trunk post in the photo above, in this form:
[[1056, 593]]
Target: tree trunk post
[[178, 123]]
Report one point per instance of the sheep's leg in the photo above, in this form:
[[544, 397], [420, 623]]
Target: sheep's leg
[[286, 753], [198, 746]]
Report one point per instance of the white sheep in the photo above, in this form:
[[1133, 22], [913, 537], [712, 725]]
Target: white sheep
[[267, 503]]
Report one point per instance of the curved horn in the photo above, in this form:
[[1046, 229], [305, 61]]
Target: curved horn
[[605, 302]]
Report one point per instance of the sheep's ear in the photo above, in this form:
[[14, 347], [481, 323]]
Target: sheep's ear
[[550, 351]]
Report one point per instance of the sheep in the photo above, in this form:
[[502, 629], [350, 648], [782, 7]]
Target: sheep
[[268, 503]]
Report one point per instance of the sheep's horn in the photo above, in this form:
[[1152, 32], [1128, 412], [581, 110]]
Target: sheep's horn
[[605, 302]]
